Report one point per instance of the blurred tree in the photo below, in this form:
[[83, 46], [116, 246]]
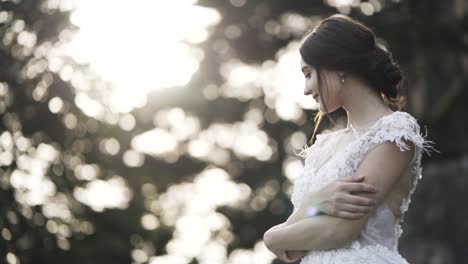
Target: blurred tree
[[52, 153]]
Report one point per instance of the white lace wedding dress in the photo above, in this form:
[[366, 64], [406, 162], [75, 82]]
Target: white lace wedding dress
[[378, 241]]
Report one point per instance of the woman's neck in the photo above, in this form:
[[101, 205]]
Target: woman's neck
[[363, 106]]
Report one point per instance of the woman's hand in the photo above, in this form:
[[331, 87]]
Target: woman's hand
[[294, 255], [287, 257], [340, 198]]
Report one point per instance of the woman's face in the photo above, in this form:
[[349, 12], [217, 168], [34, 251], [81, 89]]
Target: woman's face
[[331, 91]]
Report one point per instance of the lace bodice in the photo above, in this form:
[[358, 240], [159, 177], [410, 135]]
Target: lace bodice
[[383, 228]]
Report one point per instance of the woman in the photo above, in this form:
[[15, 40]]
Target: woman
[[357, 181]]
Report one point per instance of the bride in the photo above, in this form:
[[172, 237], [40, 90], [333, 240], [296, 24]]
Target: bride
[[356, 184]]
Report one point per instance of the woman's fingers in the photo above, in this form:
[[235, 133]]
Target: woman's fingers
[[358, 200], [358, 187], [352, 178], [349, 215], [295, 255], [351, 211], [351, 208]]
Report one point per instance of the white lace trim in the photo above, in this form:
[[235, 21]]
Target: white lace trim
[[305, 150], [354, 253]]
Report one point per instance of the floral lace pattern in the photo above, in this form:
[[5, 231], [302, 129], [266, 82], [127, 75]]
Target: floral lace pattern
[[378, 242], [355, 253]]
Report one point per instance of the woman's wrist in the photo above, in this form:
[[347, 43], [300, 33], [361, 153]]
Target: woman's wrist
[[312, 204], [305, 210], [299, 214]]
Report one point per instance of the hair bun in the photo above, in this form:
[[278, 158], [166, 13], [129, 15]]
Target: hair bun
[[392, 73], [384, 72]]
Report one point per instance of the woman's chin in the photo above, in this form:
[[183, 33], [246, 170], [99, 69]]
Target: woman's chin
[[322, 109]]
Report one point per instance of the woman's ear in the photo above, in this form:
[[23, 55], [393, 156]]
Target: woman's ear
[[341, 74]]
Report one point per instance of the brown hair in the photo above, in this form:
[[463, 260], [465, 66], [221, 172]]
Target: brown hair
[[340, 43]]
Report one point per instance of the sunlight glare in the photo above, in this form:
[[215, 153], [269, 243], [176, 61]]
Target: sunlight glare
[[100, 194], [147, 47]]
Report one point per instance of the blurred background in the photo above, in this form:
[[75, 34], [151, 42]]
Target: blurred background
[[152, 131]]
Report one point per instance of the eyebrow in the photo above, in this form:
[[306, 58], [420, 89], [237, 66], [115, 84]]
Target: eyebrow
[[302, 69]]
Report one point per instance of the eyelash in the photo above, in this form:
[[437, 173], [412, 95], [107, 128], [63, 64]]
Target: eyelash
[[307, 75]]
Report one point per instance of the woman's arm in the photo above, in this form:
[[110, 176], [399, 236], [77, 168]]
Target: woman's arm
[[299, 232], [291, 255], [277, 226], [383, 166], [334, 201], [304, 211]]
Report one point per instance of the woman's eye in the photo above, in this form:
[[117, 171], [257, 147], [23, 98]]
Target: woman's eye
[[307, 75]]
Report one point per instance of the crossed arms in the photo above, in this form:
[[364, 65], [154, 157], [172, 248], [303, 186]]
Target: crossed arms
[[382, 166]]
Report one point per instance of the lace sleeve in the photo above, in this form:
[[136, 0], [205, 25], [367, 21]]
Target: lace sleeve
[[400, 129]]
